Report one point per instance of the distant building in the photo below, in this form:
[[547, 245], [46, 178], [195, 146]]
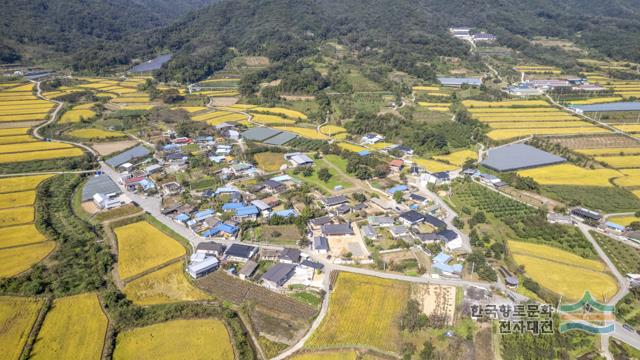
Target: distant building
[[583, 214], [370, 139], [458, 82]]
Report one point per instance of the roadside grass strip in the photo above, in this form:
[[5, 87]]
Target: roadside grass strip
[[17, 317], [344, 325], [176, 339], [568, 174], [164, 286], [141, 247], [74, 328]]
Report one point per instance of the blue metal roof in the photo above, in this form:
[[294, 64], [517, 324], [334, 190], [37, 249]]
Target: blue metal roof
[[220, 228], [615, 226], [200, 215], [615, 106], [182, 217], [442, 258], [232, 206], [153, 64], [397, 188], [247, 210], [223, 190], [364, 153], [136, 152], [285, 213], [459, 81]]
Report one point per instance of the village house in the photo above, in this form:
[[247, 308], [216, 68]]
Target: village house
[[240, 252], [278, 275]]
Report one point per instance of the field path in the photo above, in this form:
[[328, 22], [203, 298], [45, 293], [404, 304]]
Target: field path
[[52, 118]]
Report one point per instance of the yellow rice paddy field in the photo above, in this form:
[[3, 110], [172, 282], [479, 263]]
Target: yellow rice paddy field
[[16, 139], [609, 151], [632, 128], [21, 183], [271, 119], [141, 247], [426, 88], [567, 174], [95, 134], [308, 133], [327, 355], [433, 165], [76, 115], [16, 260], [620, 162], [624, 220], [17, 199], [195, 339], [560, 272], [40, 155], [458, 157], [504, 134], [16, 216], [280, 111], [164, 286], [351, 147], [84, 340], [17, 317], [597, 100], [332, 129], [344, 324], [20, 235], [33, 146], [13, 131]]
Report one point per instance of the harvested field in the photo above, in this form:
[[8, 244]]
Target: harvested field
[[16, 260], [232, 289], [269, 161], [346, 325], [503, 134], [20, 235], [84, 340], [194, 339], [554, 254], [438, 301], [141, 247], [17, 317], [107, 148], [164, 286], [595, 141]]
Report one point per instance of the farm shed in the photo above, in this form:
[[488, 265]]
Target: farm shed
[[128, 155], [99, 184], [337, 229], [519, 156], [278, 274], [260, 133], [453, 81], [615, 106], [281, 139], [202, 268]]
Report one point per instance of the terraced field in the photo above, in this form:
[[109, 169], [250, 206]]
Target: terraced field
[[176, 339], [21, 245], [564, 273], [344, 325], [164, 286], [567, 174], [309, 133], [84, 340], [433, 165], [76, 115], [521, 118], [458, 157], [141, 247], [96, 134], [17, 317]]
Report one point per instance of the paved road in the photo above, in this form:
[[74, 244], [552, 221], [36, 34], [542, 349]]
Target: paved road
[[52, 119], [466, 245], [620, 332]]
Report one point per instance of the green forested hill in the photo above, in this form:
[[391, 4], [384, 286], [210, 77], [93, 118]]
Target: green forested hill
[[62, 26], [406, 34]]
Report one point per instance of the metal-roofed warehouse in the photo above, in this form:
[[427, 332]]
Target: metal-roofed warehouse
[[101, 184], [281, 139], [126, 156], [260, 133], [519, 156], [614, 106]]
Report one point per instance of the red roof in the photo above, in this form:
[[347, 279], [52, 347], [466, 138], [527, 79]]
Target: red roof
[[134, 179], [182, 140], [396, 162]]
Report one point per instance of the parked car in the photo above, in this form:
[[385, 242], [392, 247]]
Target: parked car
[[629, 327]]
